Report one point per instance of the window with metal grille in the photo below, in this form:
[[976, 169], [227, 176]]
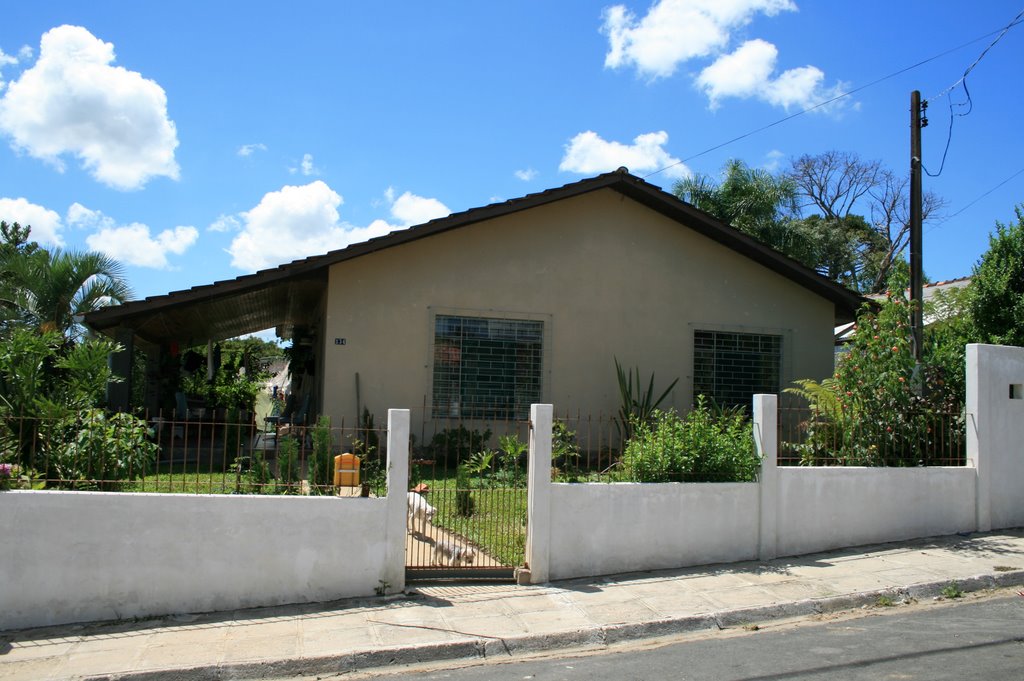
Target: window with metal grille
[[730, 367], [486, 368]]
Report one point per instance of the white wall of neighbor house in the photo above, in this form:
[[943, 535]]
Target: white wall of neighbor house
[[85, 556], [607, 276]]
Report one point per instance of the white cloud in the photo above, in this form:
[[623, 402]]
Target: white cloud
[[249, 149], [410, 209], [588, 154], [46, 224], [748, 72], [85, 218], [675, 31], [5, 60], [225, 223], [740, 74], [305, 167], [133, 245], [72, 101], [526, 175], [300, 221], [772, 160]]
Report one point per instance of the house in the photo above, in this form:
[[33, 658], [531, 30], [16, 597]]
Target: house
[[478, 314]]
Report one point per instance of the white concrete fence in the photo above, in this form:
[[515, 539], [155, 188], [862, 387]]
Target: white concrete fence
[[579, 530], [79, 556], [84, 556]]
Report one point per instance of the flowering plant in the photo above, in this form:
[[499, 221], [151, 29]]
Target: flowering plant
[[6, 473]]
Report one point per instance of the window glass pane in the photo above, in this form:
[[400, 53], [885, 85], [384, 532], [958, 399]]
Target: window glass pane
[[486, 368]]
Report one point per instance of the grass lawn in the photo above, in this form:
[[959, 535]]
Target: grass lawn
[[498, 522]]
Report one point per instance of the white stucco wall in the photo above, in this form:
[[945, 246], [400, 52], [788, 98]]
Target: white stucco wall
[[995, 432], [599, 529], [82, 556], [826, 508]]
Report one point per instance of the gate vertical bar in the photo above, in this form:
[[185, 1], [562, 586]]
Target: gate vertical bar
[[538, 495], [398, 484]]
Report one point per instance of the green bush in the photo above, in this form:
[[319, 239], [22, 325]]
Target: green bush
[[97, 450], [706, 446], [288, 465], [465, 505], [321, 463]]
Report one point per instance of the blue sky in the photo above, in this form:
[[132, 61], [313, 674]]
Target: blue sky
[[201, 141]]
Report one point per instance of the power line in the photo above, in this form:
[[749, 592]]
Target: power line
[[837, 98], [969, 103], [979, 198]]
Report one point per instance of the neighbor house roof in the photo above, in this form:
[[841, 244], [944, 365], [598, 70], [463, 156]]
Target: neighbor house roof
[[286, 294], [844, 332]]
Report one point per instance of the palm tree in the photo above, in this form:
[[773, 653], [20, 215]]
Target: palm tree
[[50, 289], [750, 199]]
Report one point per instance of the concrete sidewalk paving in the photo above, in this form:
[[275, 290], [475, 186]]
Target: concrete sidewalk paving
[[439, 622]]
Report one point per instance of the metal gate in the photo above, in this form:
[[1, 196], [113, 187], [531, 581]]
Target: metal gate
[[467, 501]]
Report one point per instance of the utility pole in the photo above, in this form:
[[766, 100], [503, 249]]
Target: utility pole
[[917, 121]]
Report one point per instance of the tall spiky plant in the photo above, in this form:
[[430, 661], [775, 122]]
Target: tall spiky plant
[[637, 404]]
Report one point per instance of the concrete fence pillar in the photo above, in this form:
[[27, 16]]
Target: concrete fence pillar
[[398, 487], [995, 433], [538, 523], [766, 437]]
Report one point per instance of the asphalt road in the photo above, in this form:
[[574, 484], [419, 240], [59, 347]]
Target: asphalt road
[[977, 639]]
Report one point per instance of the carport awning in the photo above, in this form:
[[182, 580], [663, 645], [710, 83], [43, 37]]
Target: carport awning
[[222, 310]]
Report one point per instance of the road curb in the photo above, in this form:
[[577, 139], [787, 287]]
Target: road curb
[[480, 648]]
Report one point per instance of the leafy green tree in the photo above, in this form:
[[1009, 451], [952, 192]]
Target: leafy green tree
[[997, 303], [14, 245], [872, 412], [950, 328]]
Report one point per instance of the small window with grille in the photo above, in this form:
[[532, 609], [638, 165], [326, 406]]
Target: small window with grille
[[731, 367]]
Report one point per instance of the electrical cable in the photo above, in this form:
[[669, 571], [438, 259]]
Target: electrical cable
[[841, 96], [947, 218], [969, 103]]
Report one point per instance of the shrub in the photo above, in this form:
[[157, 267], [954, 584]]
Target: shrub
[[706, 446], [288, 465], [99, 450], [321, 463], [874, 411], [464, 502]]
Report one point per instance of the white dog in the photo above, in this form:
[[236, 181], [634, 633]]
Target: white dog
[[420, 512], [452, 554]]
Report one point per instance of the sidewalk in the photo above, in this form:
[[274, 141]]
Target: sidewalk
[[475, 621]]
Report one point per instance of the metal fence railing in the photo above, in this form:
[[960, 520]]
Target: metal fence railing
[[917, 438], [213, 453]]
